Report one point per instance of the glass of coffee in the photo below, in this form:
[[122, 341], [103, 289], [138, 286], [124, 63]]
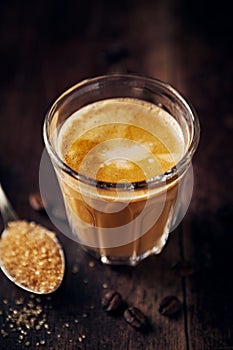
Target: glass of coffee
[[121, 146]]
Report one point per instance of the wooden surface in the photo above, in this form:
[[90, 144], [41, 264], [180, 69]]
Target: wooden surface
[[47, 46]]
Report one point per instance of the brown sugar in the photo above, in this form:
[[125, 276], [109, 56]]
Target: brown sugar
[[31, 255]]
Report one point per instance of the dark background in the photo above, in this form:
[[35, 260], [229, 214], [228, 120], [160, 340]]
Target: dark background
[[47, 46]]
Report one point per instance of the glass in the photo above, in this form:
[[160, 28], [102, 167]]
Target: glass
[[123, 222]]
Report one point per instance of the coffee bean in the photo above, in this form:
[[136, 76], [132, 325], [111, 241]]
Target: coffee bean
[[170, 306], [36, 201], [135, 318], [112, 301]]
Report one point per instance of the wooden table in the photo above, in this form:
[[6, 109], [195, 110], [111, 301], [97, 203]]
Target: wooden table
[[46, 47]]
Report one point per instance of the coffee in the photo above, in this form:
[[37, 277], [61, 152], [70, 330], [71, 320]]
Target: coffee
[[120, 142], [121, 139]]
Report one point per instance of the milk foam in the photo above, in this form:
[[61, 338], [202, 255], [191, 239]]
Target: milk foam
[[119, 134]]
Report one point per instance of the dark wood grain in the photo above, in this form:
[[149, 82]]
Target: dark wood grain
[[46, 47]]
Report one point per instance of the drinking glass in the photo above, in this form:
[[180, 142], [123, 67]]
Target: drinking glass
[[123, 222]]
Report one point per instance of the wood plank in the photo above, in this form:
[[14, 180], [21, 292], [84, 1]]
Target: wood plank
[[79, 298], [41, 56], [207, 241]]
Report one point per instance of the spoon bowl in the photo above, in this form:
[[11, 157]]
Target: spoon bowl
[[30, 254]]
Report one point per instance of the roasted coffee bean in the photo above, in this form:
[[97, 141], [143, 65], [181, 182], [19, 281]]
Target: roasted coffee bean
[[135, 318], [170, 306], [36, 201], [112, 301]]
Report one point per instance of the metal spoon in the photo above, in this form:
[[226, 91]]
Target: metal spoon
[[41, 239]]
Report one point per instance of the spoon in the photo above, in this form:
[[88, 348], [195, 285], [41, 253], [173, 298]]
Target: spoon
[[30, 254]]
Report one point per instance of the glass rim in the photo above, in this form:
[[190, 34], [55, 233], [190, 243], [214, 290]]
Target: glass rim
[[155, 181]]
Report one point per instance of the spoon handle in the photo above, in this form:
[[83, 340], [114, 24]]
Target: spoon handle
[[7, 211]]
